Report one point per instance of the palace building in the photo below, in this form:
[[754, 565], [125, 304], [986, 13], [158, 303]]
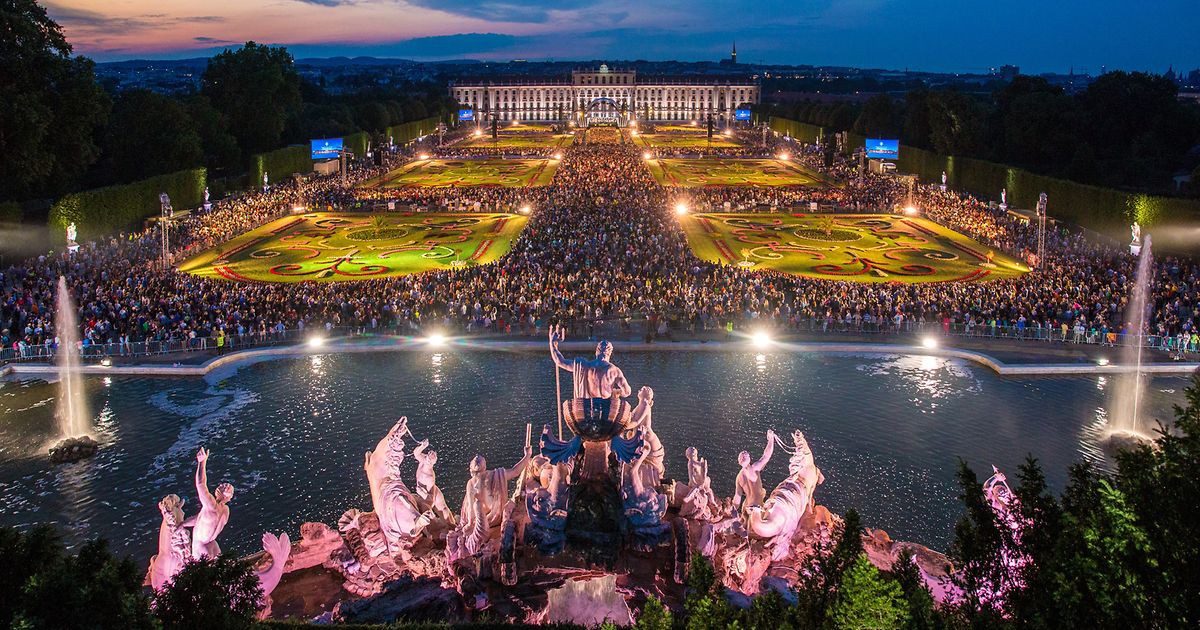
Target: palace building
[[607, 95]]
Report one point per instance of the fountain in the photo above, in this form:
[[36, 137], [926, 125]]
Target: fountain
[[1126, 424], [74, 425]]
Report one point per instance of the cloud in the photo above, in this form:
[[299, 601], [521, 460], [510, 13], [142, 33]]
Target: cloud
[[531, 11], [327, 3], [212, 40], [83, 19]]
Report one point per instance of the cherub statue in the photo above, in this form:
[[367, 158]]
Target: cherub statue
[[214, 511], [748, 485]]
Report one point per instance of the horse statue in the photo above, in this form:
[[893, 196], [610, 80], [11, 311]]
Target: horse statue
[[400, 517], [174, 543], [776, 520]]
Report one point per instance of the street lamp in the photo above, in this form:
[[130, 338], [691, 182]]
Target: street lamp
[[165, 214]]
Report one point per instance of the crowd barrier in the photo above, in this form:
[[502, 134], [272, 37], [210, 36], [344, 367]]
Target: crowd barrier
[[621, 329]]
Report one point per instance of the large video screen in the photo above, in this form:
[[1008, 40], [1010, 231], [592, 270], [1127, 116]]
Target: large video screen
[[466, 114], [883, 149], [326, 148], [741, 114]]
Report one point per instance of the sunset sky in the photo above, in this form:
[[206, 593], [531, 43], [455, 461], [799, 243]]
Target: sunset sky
[[940, 35]]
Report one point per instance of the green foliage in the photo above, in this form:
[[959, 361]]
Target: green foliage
[[210, 593], [51, 106], [256, 88], [921, 612], [280, 164], [41, 586], [106, 211], [11, 212], [867, 600], [705, 605], [357, 143], [654, 616], [976, 551], [149, 134], [413, 129]]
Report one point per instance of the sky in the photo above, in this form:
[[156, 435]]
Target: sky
[[932, 35]]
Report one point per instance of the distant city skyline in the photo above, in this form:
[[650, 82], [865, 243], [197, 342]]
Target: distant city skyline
[[928, 35]]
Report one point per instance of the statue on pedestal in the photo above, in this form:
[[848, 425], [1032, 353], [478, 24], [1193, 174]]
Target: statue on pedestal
[[593, 378], [174, 543], [207, 203], [214, 512], [944, 180], [748, 485], [778, 518], [72, 234], [1004, 199]]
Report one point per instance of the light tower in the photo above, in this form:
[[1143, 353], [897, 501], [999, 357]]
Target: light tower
[[166, 213], [1041, 235]]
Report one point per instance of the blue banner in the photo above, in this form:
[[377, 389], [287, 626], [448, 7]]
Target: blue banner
[[326, 148], [883, 149]]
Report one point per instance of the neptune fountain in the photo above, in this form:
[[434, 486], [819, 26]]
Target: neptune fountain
[[584, 527]]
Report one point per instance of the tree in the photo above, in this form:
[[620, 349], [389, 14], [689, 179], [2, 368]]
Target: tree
[[977, 551], [922, 615], [220, 147], [654, 616], [867, 600], [879, 118], [705, 605], [210, 593], [149, 134], [41, 586], [956, 123], [256, 88], [51, 107]]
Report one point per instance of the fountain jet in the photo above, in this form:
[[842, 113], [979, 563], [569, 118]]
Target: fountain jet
[[74, 423], [1126, 423]]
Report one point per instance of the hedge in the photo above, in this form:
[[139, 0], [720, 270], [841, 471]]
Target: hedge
[[412, 129], [280, 164], [105, 211], [1104, 210], [356, 143]]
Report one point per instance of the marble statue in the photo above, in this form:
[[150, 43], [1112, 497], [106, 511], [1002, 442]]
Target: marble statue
[[483, 505], [1136, 231], [278, 548], [698, 501], [1003, 197], [644, 506], [594, 378], [546, 503], [944, 179], [427, 489], [749, 487], [265, 181], [207, 203], [640, 420], [72, 233], [778, 518], [174, 543], [214, 511], [400, 517]]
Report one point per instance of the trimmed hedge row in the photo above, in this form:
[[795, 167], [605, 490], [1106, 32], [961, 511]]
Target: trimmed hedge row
[[412, 129], [104, 211], [280, 164], [1104, 210], [356, 143]]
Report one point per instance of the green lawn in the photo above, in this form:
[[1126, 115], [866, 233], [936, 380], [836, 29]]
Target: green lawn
[[685, 140], [692, 173], [462, 172], [861, 248], [517, 141], [332, 247]]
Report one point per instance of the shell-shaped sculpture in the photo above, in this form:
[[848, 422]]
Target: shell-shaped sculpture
[[597, 419]]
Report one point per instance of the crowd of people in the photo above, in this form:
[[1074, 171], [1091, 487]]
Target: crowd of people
[[603, 248]]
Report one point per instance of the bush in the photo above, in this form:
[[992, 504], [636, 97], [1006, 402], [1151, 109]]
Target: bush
[[210, 593], [106, 211], [413, 129]]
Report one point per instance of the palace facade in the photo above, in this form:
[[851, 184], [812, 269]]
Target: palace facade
[[605, 94]]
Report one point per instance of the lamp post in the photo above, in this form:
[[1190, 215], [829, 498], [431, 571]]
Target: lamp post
[[166, 212], [1041, 235]]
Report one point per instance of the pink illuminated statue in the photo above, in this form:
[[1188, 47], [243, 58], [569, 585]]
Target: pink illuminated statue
[[174, 543], [214, 512], [398, 509], [749, 484], [778, 519]]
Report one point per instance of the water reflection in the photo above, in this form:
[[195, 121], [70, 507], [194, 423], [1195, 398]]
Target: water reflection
[[886, 429]]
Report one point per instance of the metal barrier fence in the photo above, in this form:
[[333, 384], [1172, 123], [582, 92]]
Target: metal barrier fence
[[620, 329]]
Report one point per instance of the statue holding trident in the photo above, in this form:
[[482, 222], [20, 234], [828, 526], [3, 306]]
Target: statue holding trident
[[594, 378]]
